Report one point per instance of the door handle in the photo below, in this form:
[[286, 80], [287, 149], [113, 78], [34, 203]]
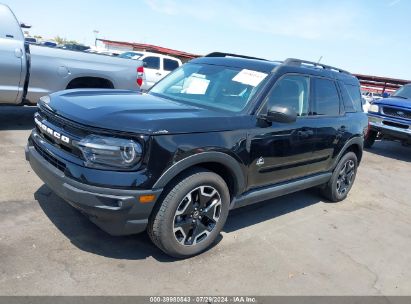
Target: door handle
[[18, 53], [158, 74], [305, 133], [342, 129], [340, 132]]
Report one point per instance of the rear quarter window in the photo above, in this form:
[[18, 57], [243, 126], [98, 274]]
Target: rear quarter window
[[352, 97]]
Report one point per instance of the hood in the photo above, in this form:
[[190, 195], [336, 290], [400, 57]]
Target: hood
[[394, 101], [129, 111]]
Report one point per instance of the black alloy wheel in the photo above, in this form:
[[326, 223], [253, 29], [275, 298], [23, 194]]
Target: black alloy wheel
[[342, 179], [345, 177], [197, 215]]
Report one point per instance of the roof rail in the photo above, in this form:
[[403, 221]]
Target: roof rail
[[221, 54], [299, 62]]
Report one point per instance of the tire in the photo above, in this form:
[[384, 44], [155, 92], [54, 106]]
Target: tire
[[342, 178], [197, 201], [370, 138]]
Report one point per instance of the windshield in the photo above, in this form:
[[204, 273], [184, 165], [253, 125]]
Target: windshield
[[130, 55], [214, 86], [404, 92]]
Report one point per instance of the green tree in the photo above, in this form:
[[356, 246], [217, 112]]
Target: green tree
[[61, 40]]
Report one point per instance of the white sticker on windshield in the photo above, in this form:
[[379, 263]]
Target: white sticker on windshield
[[198, 75], [195, 85], [248, 77]]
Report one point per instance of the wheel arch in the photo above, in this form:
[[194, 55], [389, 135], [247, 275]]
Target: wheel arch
[[90, 82], [355, 145], [218, 162], [356, 149]]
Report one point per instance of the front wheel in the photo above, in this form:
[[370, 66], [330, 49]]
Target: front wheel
[[192, 214], [342, 178]]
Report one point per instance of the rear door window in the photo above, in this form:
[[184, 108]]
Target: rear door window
[[152, 62], [326, 100], [170, 64]]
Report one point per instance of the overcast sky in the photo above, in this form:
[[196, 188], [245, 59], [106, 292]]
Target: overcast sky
[[362, 36]]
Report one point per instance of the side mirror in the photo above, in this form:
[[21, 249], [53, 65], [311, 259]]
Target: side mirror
[[281, 114]]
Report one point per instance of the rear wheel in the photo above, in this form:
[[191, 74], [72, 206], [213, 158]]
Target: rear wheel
[[342, 179], [370, 138], [192, 214]]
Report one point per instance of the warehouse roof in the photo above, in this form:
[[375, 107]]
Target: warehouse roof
[[150, 48]]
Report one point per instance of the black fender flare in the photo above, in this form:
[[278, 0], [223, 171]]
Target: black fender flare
[[358, 140], [221, 158]]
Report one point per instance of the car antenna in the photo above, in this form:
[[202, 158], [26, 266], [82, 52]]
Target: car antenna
[[319, 59]]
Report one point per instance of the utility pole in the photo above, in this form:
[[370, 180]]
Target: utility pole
[[96, 32]]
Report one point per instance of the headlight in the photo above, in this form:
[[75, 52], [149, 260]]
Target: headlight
[[373, 108], [101, 151]]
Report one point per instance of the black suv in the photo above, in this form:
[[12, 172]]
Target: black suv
[[221, 132]]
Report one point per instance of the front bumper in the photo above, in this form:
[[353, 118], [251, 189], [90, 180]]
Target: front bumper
[[115, 211], [390, 127]]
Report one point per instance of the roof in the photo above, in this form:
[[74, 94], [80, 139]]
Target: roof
[[251, 64], [266, 66], [150, 48]]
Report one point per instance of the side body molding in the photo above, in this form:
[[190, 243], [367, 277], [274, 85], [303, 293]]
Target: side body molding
[[205, 157]]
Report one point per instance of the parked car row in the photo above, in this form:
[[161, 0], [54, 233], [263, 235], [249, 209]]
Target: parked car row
[[371, 96], [51, 43]]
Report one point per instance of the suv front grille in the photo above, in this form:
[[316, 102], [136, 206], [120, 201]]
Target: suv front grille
[[62, 123], [64, 127], [398, 113], [49, 158]]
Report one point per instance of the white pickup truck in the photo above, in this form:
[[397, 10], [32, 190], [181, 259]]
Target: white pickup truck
[[156, 66], [28, 72]]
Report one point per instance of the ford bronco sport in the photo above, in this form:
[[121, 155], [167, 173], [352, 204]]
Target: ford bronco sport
[[221, 132]]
